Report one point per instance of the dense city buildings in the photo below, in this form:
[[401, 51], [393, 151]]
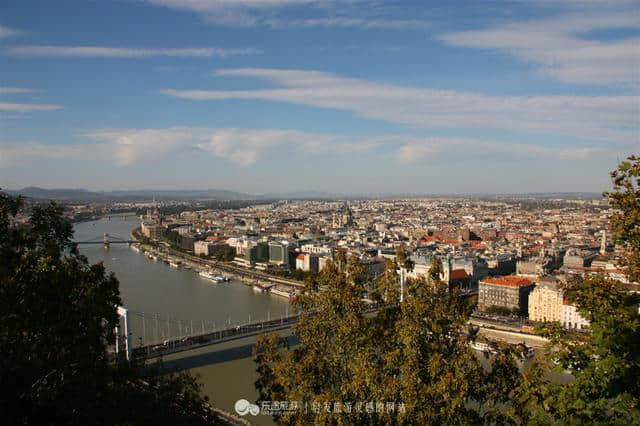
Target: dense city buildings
[[514, 254]]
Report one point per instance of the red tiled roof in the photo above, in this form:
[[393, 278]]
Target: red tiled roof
[[459, 274], [300, 256], [510, 281]]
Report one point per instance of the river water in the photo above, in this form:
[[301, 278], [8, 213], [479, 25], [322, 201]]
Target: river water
[[171, 302]]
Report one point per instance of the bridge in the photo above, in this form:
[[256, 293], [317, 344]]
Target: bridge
[[107, 240], [169, 336]]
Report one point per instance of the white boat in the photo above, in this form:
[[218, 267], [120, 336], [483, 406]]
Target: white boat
[[135, 248], [481, 346], [207, 275], [282, 293], [174, 264], [258, 289]]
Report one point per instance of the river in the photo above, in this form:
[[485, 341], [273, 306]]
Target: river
[[180, 300]]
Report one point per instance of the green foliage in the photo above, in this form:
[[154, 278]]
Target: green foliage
[[626, 221], [57, 315], [502, 311], [294, 274], [224, 253], [174, 238], [403, 259], [411, 353], [435, 270], [604, 361]]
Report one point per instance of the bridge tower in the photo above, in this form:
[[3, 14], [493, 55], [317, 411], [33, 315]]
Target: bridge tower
[[122, 312], [106, 240]]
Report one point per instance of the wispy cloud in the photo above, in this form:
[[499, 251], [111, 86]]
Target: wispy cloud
[[558, 47], [348, 22], [14, 153], [246, 147], [4, 90], [22, 108], [425, 149], [609, 118], [6, 32], [126, 52], [216, 5], [267, 13]]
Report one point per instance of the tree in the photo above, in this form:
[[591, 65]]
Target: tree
[[414, 355], [626, 221], [57, 315], [605, 361], [403, 259]]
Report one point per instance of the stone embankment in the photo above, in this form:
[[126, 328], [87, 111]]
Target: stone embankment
[[235, 273]]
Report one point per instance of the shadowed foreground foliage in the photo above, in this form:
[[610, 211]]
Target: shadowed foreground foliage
[[411, 353], [57, 315]]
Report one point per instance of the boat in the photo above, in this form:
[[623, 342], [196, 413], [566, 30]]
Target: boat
[[207, 275], [282, 293], [174, 264], [135, 248], [481, 346], [262, 287], [219, 278]]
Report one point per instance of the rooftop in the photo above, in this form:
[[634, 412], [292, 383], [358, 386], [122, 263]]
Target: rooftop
[[510, 281]]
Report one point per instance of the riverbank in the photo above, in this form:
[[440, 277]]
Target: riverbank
[[259, 282]]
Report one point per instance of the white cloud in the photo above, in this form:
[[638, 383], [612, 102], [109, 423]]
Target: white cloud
[[131, 146], [6, 32], [125, 52], [13, 153], [425, 149], [602, 118], [22, 108], [4, 90], [245, 147], [556, 47]]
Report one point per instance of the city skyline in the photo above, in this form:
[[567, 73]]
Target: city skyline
[[334, 96]]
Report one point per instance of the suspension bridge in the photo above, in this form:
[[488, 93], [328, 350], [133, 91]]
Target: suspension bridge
[[159, 335], [107, 240]]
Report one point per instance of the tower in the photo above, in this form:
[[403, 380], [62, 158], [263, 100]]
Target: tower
[[446, 270], [603, 244]]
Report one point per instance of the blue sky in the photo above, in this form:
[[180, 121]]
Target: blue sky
[[346, 96]]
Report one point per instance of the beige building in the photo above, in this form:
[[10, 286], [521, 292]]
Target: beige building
[[151, 230], [545, 302], [203, 247]]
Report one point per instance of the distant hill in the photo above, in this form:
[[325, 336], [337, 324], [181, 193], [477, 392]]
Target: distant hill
[[303, 195], [83, 195], [80, 195]]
